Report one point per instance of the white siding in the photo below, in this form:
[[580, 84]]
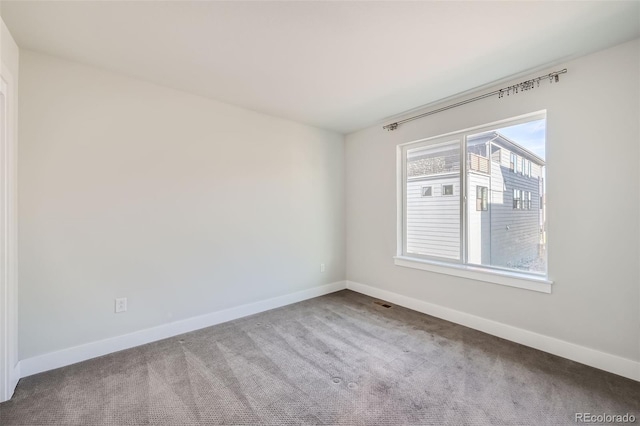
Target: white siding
[[433, 223]]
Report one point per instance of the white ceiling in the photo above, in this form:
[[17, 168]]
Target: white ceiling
[[336, 65]]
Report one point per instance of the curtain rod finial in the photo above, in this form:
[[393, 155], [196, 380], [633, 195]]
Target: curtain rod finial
[[391, 127]]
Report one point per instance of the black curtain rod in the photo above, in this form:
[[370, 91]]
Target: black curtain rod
[[525, 85]]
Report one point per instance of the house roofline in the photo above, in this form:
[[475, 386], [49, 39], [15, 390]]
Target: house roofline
[[501, 139]]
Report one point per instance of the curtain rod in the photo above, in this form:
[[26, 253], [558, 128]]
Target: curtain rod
[[525, 85]]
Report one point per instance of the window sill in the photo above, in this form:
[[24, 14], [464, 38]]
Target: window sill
[[511, 279]]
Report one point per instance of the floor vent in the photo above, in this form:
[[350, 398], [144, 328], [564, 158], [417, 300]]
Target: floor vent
[[384, 305]]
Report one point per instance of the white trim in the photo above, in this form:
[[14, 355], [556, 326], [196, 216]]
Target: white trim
[[75, 354], [512, 279], [604, 361], [519, 119], [5, 392], [8, 238]]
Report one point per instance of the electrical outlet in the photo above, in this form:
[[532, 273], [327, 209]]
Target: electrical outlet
[[121, 305], [322, 268]]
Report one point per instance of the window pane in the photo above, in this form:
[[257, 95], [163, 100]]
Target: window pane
[[510, 233], [482, 201], [433, 222]]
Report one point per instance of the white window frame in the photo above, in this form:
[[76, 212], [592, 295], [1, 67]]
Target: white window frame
[[460, 267], [517, 196], [453, 190], [483, 191]]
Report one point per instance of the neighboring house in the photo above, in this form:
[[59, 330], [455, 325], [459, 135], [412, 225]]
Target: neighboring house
[[505, 203]]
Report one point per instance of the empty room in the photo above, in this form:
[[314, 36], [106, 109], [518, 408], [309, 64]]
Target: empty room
[[319, 212]]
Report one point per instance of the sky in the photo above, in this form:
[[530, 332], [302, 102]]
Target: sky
[[530, 135]]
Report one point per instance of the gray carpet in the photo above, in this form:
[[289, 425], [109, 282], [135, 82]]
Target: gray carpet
[[339, 359]]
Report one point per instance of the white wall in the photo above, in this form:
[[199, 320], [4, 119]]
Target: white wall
[[181, 204], [593, 117], [9, 64]]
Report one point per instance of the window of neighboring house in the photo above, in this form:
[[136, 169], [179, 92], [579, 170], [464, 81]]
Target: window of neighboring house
[[517, 199], [482, 198], [436, 232]]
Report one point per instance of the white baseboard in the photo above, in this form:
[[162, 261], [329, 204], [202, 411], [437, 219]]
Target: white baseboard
[[75, 354], [601, 360], [604, 361]]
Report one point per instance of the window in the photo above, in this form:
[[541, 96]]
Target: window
[[447, 232], [517, 199], [521, 200], [526, 167], [482, 198]]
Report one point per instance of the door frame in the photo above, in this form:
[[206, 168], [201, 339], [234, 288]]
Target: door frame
[[9, 365]]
